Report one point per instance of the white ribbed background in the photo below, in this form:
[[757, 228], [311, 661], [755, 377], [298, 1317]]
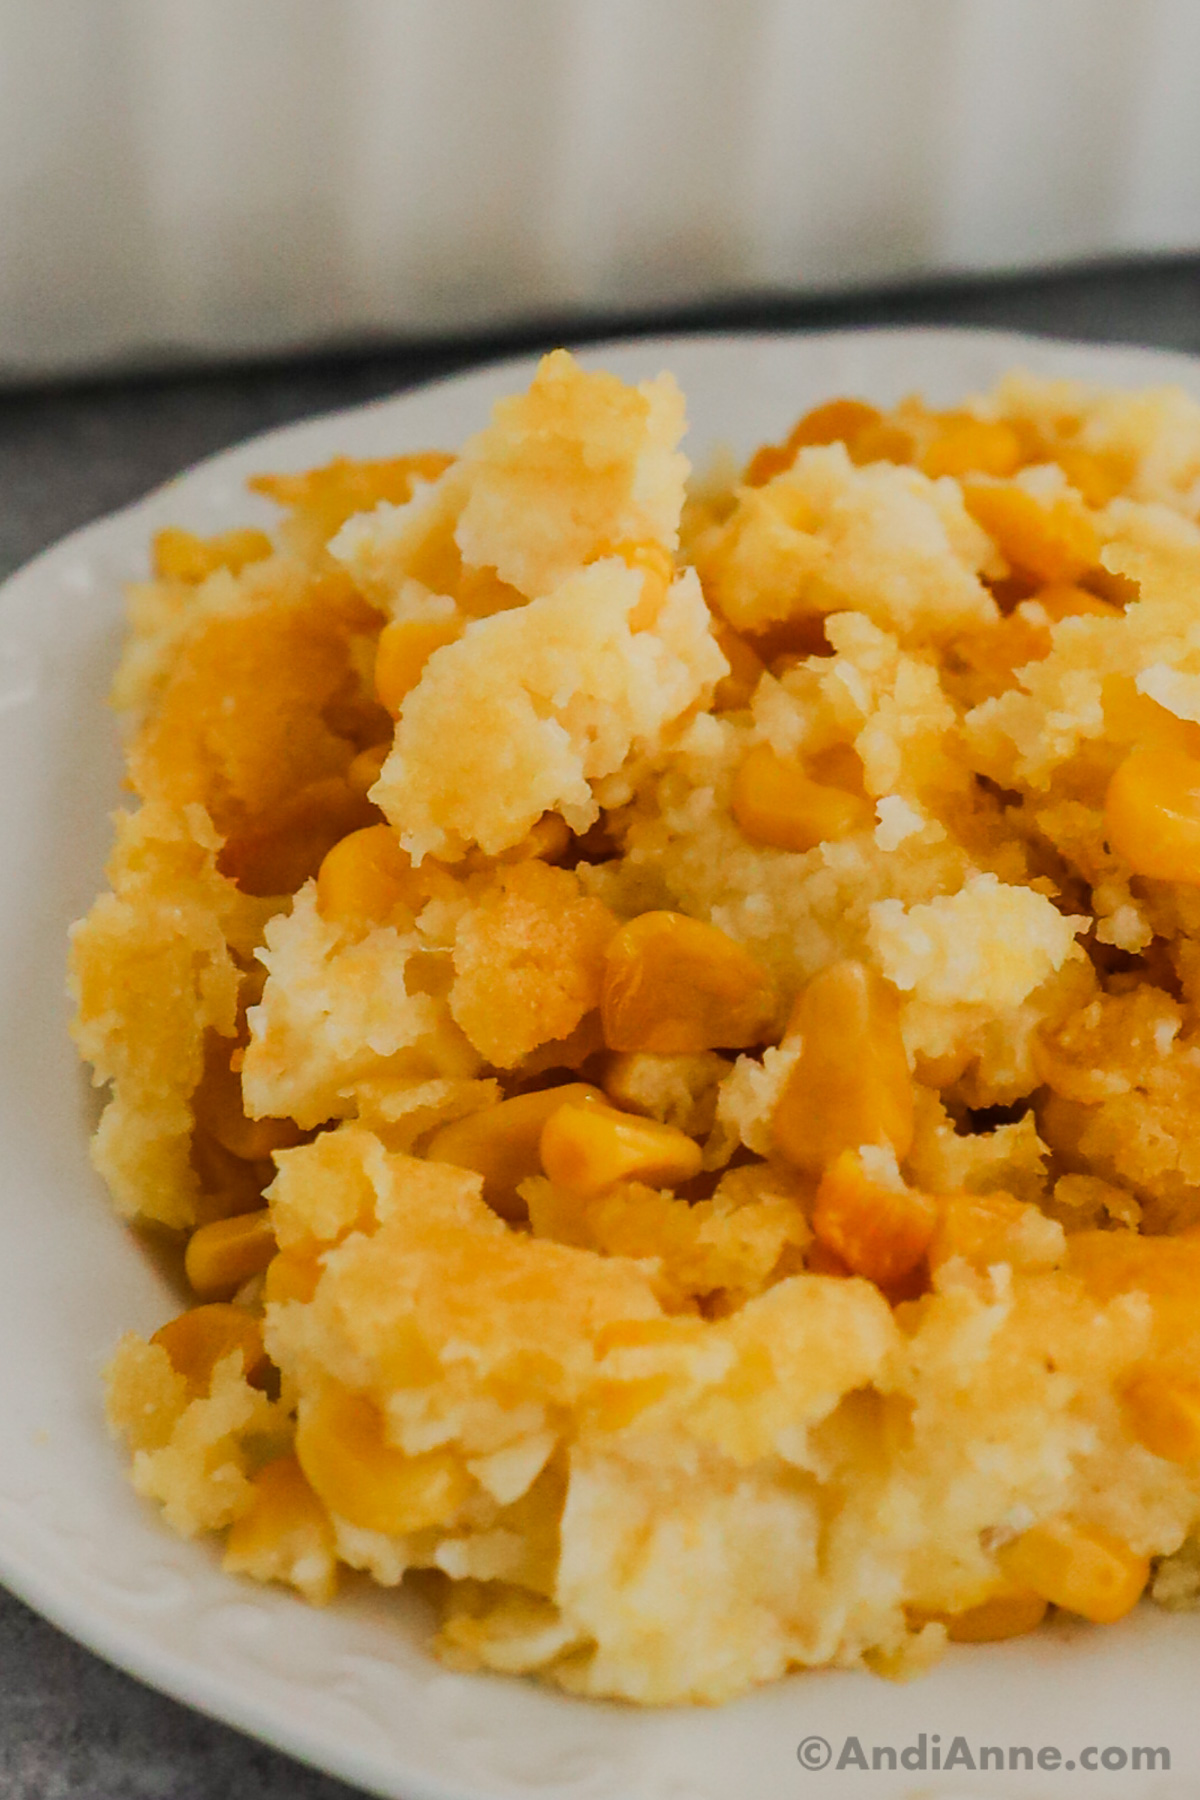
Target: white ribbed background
[[228, 175]]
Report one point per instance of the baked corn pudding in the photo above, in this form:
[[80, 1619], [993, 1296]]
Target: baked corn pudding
[[665, 1021]]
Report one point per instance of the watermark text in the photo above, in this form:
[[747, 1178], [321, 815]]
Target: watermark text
[[937, 1750]]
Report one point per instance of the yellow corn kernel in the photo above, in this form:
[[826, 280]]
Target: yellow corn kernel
[[404, 647], [746, 668], [365, 877], [676, 985], [502, 1144], [1136, 721], [367, 767], [285, 1534], [835, 421], [879, 1232], [850, 1084], [1152, 813], [342, 1449], [1097, 476], [221, 1256], [197, 1340], [1082, 1568], [1013, 1612], [585, 1149], [978, 1227], [775, 802], [291, 1275], [1003, 1616], [1166, 1270], [1054, 541], [966, 446], [227, 1184], [1164, 1412], [182, 556], [549, 840]]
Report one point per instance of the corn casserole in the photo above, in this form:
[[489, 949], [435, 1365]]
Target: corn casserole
[[665, 1021]]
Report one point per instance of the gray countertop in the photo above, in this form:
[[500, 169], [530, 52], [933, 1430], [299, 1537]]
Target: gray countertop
[[72, 1728]]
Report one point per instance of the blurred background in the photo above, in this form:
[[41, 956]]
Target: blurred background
[[185, 179]]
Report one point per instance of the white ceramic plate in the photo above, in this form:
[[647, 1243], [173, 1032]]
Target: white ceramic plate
[[353, 1689]]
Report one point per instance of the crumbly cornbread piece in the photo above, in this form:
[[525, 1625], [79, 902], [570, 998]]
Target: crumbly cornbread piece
[[294, 657], [152, 971], [528, 961], [564, 473], [563, 690], [825, 537], [191, 1454], [339, 1009], [988, 945], [278, 621], [690, 1434], [899, 729], [679, 1090], [722, 1250], [250, 694], [1126, 1080], [561, 693], [586, 460], [1144, 444]]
